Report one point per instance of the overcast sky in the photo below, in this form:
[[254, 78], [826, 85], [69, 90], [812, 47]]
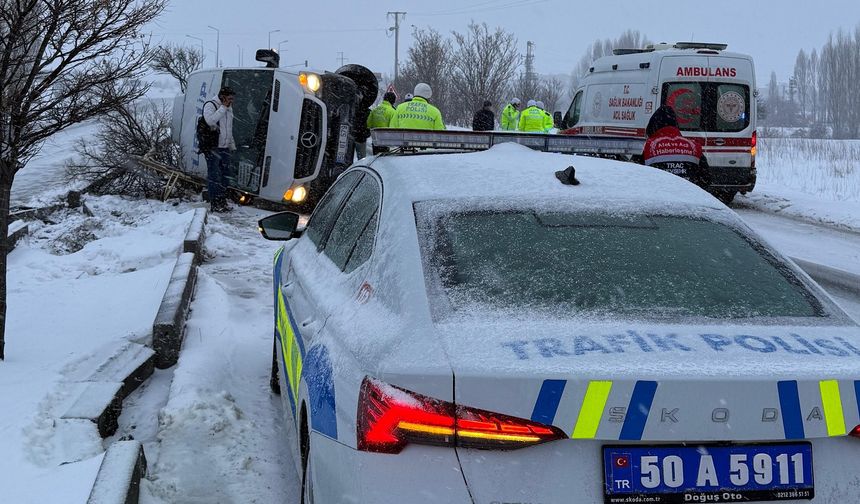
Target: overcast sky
[[772, 31]]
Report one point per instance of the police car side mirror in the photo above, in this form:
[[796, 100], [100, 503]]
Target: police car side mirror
[[280, 226]]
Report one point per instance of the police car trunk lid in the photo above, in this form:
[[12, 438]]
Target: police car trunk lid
[[661, 383]]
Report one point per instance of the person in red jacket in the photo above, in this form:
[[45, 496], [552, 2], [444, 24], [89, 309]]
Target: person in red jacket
[[668, 150]]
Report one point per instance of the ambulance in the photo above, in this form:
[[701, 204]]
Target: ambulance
[[293, 129], [711, 90]]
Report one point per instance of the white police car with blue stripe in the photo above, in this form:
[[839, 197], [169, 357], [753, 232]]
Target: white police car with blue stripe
[[465, 327]]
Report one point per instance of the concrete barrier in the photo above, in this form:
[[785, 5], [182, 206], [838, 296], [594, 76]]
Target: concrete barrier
[[196, 235], [118, 479], [828, 275], [169, 326], [17, 230]]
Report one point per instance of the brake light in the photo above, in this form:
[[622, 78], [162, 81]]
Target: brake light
[[753, 148], [855, 432], [389, 418]]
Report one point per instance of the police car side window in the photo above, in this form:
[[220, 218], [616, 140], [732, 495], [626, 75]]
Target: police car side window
[[355, 218], [327, 210]]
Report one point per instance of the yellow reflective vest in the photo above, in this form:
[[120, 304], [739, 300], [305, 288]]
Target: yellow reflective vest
[[510, 118], [417, 114], [380, 117], [549, 123], [533, 120]]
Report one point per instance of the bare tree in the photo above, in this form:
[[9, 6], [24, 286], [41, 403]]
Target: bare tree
[[801, 80], [429, 60], [141, 128], [550, 93], [485, 62], [177, 61], [62, 62], [630, 39]]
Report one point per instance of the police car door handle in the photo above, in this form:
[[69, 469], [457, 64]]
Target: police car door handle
[[288, 289], [309, 323]]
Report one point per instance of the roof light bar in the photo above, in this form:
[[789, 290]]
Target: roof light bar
[[471, 141]]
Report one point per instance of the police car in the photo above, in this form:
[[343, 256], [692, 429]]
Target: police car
[[512, 326]]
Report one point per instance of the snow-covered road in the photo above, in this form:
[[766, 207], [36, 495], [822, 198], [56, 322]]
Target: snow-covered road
[[824, 245], [220, 436]]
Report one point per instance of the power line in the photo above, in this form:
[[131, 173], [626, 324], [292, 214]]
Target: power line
[[474, 10]]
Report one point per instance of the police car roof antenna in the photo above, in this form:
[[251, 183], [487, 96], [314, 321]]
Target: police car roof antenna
[[567, 176]]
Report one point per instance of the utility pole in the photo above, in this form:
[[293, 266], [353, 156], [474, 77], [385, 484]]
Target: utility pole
[[396, 30], [341, 58], [530, 61], [240, 54]]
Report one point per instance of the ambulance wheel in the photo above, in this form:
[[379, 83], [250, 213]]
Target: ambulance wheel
[[726, 196], [274, 384]]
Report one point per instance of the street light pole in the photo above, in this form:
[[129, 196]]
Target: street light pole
[[280, 44], [202, 51], [270, 37], [217, 46], [240, 54]]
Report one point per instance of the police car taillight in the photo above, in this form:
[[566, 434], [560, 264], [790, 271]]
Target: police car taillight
[[389, 418]]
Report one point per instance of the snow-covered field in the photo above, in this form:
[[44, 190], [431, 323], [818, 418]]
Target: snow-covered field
[[817, 180]]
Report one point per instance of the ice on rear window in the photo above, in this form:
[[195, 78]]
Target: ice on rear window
[[590, 262]]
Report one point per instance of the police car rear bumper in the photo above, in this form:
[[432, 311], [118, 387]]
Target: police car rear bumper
[[741, 179], [419, 474]]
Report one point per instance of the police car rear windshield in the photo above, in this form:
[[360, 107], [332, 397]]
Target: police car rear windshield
[[634, 266], [709, 106]]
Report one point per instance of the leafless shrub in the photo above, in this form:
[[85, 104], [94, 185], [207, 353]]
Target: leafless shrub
[[105, 162]]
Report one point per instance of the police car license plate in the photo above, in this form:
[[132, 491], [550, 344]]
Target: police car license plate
[[707, 473]]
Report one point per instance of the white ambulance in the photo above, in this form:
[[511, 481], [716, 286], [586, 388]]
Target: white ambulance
[[711, 90], [293, 129]]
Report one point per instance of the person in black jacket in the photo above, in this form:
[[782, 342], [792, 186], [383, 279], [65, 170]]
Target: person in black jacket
[[484, 119], [361, 132]]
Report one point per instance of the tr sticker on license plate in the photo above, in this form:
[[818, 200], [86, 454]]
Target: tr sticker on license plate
[[707, 473]]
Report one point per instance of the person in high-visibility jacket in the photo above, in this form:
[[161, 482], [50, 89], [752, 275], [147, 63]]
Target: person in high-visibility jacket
[[511, 115], [418, 113], [533, 119], [548, 123], [381, 116]]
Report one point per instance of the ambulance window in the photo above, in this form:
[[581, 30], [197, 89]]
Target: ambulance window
[[732, 107], [575, 109], [686, 99]]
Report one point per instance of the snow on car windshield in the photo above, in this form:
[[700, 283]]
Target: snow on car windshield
[[591, 263]]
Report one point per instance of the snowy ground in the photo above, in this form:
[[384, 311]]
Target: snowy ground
[[220, 431], [75, 287], [813, 180]]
